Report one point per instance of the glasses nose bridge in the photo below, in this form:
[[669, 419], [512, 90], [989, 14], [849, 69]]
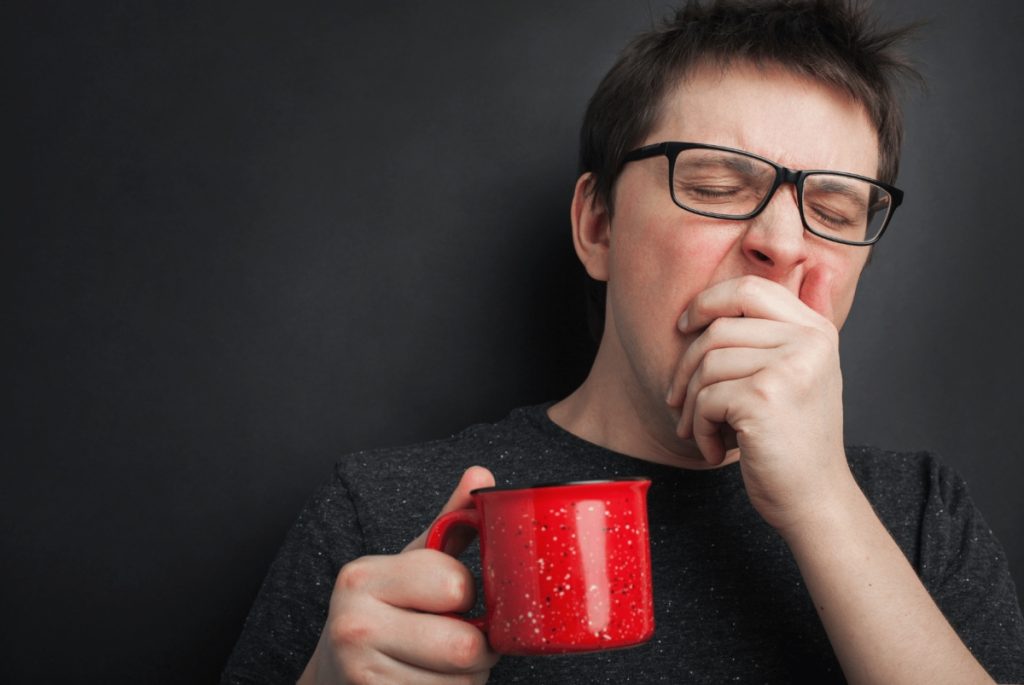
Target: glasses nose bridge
[[784, 175], [787, 175]]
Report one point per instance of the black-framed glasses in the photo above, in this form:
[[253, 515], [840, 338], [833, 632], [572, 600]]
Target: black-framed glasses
[[724, 183]]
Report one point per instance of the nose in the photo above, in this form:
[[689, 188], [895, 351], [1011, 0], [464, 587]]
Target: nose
[[775, 243]]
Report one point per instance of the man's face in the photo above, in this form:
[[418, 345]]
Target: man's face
[[660, 256]]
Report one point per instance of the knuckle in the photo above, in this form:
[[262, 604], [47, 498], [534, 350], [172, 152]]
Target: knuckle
[[827, 338], [711, 362], [354, 576], [764, 388], [704, 397], [457, 585], [373, 676], [717, 328], [748, 288], [464, 649], [812, 358], [361, 673], [350, 630]]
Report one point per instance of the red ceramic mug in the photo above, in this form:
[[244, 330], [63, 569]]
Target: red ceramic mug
[[566, 567]]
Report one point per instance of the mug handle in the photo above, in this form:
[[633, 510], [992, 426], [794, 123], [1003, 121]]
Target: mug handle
[[438, 536]]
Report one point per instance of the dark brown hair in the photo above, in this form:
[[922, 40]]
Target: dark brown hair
[[836, 42]]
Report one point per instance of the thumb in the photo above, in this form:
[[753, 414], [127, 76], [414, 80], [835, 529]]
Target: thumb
[[474, 477], [816, 291]]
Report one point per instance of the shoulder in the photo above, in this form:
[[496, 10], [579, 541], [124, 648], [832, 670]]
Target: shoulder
[[925, 505], [927, 508], [404, 486], [886, 474], [912, 492], [482, 443]]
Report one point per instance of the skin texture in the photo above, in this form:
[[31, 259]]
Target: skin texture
[[721, 344]]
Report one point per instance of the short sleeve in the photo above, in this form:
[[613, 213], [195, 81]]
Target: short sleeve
[[966, 570], [285, 621]]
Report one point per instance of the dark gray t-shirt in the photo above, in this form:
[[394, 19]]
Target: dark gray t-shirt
[[730, 605]]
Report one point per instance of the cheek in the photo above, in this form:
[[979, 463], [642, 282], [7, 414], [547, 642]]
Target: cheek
[[664, 263], [845, 288], [842, 303], [655, 270]]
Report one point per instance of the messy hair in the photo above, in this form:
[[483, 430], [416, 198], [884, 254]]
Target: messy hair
[[835, 42]]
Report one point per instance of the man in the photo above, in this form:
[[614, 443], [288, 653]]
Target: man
[[778, 555]]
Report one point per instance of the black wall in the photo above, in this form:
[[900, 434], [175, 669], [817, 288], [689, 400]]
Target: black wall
[[248, 240]]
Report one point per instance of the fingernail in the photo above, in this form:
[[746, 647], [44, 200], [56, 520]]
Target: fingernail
[[668, 397], [684, 320]]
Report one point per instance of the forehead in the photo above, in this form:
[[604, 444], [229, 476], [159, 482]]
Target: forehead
[[792, 119]]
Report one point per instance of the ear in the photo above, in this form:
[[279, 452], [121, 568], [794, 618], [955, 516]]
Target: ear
[[591, 228]]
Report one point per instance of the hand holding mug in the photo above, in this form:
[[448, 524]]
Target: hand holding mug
[[386, 622], [566, 567]]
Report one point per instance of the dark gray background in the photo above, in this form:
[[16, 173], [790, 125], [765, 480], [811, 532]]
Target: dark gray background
[[249, 239]]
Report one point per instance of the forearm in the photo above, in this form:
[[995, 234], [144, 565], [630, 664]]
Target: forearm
[[883, 624]]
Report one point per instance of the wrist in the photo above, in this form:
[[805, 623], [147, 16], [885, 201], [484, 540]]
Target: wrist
[[834, 513]]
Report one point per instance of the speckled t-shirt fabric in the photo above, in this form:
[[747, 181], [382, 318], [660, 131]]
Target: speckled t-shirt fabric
[[730, 605]]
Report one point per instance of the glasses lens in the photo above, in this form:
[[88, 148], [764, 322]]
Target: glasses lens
[[720, 183], [845, 208]]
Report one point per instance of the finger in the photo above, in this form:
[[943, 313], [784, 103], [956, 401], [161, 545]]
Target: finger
[[435, 643], [421, 579], [724, 333], [747, 296], [816, 291], [474, 477], [405, 673], [728, 364], [370, 665], [385, 606], [711, 414]]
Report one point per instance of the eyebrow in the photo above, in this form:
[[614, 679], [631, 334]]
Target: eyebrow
[[833, 185], [733, 161]]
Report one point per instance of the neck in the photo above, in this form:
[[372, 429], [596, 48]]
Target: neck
[[613, 412]]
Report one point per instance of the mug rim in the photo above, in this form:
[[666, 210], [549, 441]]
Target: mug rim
[[596, 481]]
